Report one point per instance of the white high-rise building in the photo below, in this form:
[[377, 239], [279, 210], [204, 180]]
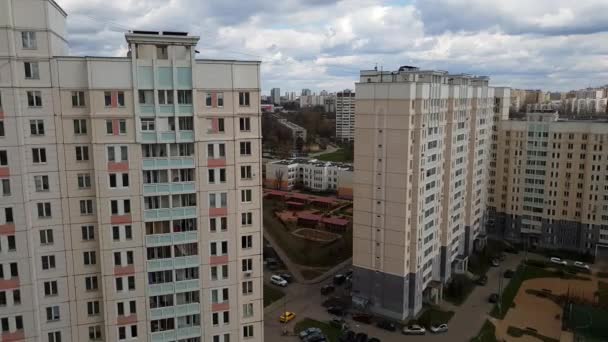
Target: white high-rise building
[[275, 95], [131, 188], [345, 116]]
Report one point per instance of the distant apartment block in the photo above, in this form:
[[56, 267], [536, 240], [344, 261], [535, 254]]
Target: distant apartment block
[[312, 174], [550, 183], [294, 130], [275, 95], [422, 145], [130, 205], [345, 116]]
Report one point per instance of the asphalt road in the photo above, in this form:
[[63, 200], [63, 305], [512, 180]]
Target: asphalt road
[[305, 301]]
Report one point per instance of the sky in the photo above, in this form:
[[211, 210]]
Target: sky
[[555, 45]]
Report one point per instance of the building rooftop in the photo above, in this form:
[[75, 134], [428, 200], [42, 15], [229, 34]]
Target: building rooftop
[[314, 162]]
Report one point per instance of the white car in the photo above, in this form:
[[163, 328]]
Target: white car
[[558, 261], [277, 280], [581, 265], [413, 330], [439, 328]]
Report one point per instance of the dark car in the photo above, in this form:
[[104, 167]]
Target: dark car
[[493, 298], [482, 280], [361, 337], [315, 338], [338, 323], [509, 274], [288, 277], [362, 318], [339, 279], [336, 310], [347, 336], [349, 273], [327, 289], [387, 325]]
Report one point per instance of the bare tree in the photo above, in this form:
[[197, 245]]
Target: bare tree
[[278, 178]]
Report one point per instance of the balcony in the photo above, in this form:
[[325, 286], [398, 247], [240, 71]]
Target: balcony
[[171, 263], [165, 163], [172, 335], [169, 188], [168, 288], [186, 136], [169, 213], [171, 238], [166, 110], [167, 136], [185, 109], [147, 109], [173, 311]]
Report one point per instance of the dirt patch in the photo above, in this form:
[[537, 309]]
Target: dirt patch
[[316, 235], [291, 216]]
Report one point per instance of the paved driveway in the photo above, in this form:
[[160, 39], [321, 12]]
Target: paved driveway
[[305, 301]]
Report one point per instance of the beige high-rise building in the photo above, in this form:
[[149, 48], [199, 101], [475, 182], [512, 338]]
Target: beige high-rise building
[[345, 116], [549, 188], [131, 188], [422, 141]]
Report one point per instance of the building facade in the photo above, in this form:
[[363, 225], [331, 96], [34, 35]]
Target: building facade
[[345, 116], [275, 95], [422, 140], [131, 188], [550, 185]]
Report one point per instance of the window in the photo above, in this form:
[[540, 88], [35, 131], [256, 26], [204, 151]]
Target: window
[[54, 336], [246, 195], [39, 155], [16, 297], [84, 181], [12, 244], [14, 270], [247, 265], [245, 148], [46, 237], [246, 172], [82, 153], [112, 153], [214, 221], [247, 310], [122, 127], [147, 124], [93, 308], [3, 158], [165, 97], [125, 209], [90, 283], [246, 219], [89, 258], [86, 207], [246, 241], [37, 127], [162, 52], [184, 96], [6, 187], [95, 333], [52, 313], [116, 178], [31, 70], [245, 124], [248, 331], [218, 248], [48, 262], [114, 99], [247, 287], [220, 99], [2, 298], [244, 99], [41, 183], [34, 99], [80, 126], [88, 233], [219, 272], [28, 39], [78, 99], [44, 209], [2, 131]]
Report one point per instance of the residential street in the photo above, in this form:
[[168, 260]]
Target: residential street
[[305, 301]]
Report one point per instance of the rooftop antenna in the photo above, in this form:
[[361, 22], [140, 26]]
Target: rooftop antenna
[[376, 67], [381, 75]]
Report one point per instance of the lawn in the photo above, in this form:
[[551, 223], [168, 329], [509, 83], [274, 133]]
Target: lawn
[[602, 291], [459, 289], [302, 251], [434, 316], [517, 332], [271, 294], [486, 334], [337, 156], [332, 333]]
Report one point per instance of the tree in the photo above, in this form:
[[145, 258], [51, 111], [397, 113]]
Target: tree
[[278, 178]]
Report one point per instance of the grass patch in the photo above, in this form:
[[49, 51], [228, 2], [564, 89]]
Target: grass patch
[[486, 334], [602, 293], [517, 332], [602, 274], [271, 294], [434, 316], [301, 251], [332, 333], [339, 155], [459, 289]]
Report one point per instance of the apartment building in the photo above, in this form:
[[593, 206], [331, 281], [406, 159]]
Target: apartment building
[[131, 190], [422, 140], [550, 183], [312, 174], [345, 116]]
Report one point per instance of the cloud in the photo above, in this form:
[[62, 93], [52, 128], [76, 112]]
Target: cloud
[[322, 44]]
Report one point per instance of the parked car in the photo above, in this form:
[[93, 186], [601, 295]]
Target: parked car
[[287, 316], [509, 274], [277, 280], [339, 279], [338, 323], [327, 289], [582, 265], [288, 277], [347, 336], [558, 261], [309, 331], [316, 337], [413, 330], [495, 262], [362, 318], [502, 257], [482, 280], [441, 328], [493, 298], [336, 310], [349, 273], [387, 325], [361, 337]]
